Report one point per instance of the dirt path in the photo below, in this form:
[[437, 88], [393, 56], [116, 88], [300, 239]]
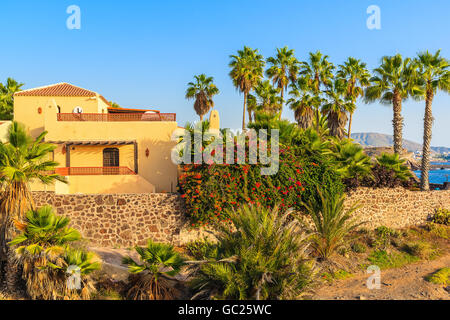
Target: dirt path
[[396, 284]]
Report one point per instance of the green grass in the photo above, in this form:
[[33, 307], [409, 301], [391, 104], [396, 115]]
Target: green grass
[[385, 260], [336, 275], [441, 276]]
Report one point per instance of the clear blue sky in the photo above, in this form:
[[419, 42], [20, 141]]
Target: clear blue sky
[[143, 53]]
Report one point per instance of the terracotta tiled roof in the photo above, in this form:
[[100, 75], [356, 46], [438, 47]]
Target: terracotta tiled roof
[[60, 90]]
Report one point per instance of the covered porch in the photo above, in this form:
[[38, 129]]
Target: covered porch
[[90, 158]]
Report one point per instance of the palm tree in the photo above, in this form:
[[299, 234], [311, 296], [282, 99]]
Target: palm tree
[[318, 71], [356, 76], [266, 99], [395, 80], [332, 222], [283, 69], [44, 254], [247, 68], [202, 90], [7, 98], [303, 102], [336, 108], [22, 160], [151, 279], [262, 256], [435, 75]]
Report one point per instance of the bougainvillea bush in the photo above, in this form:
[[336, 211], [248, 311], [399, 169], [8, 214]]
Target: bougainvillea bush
[[209, 190]]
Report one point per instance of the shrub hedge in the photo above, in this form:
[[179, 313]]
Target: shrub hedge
[[209, 190]]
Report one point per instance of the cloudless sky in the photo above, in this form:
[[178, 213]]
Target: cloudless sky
[[143, 53]]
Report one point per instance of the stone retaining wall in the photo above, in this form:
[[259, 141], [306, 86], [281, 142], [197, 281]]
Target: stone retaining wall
[[396, 208], [129, 219], [121, 219]]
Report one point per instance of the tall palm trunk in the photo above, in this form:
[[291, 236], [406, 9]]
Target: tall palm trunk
[[282, 102], [250, 118], [15, 201], [349, 131], [397, 123], [427, 129], [243, 112]]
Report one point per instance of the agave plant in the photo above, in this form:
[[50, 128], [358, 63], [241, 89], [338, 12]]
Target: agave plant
[[44, 255], [393, 162], [152, 279], [332, 222], [260, 256]]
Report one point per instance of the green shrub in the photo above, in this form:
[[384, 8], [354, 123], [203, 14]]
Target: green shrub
[[261, 255], [383, 237], [421, 249], [439, 230], [441, 276], [331, 221], [441, 216]]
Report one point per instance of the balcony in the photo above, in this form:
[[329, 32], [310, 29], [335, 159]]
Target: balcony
[[94, 171], [117, 117]]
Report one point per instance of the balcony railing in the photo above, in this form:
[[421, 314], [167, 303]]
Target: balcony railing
[[94, 171], [110, 117]]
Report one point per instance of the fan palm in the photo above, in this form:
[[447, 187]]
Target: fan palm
[[202, 90], [22, 160], [318, 70], [43, 249], [336, 108], [356, 77], [393, 162], [351, 160], [151, 279], [435, 75], [7, 98], [247, 68], [303, 103], [283, 68], [266, 98], [394, 81]]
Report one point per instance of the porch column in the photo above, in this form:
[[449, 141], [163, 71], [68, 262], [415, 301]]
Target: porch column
[[67, 156], [136, 157]]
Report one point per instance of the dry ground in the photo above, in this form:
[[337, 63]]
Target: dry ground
[[405, 283]]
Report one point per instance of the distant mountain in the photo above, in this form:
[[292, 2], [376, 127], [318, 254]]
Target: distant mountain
[[372, 139]]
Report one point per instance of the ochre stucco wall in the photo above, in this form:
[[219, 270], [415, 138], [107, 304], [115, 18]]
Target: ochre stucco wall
[[154, 136], [26, 109]]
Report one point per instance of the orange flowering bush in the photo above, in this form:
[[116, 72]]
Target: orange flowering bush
[[209, 190]]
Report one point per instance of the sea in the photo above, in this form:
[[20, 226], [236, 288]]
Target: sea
[[437, 176]]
